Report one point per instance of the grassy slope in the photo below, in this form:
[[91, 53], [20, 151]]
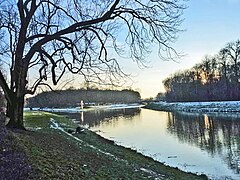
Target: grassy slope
[[56, 155]]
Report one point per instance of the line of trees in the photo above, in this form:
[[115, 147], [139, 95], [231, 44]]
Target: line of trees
[[216, 78], [72, 97]]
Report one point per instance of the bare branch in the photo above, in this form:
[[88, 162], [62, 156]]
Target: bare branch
[[48, 38]]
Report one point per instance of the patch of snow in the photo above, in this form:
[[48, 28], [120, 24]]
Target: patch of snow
[[153, 174], [77, 109], [222, 106], [36, 113], [38, 128], [55, 125]]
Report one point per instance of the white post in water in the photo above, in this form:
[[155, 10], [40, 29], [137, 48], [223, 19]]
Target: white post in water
[[81, 104], [81, 116]]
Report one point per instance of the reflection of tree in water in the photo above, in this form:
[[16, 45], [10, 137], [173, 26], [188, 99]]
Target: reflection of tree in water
[[215, 134], [95, 118]]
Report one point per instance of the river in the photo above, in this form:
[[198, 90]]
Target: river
[[198, 143]]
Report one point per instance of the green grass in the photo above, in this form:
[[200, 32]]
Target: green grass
[[37, 119], [54, 154]]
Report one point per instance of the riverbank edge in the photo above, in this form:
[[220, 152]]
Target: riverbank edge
[[196, 107], [88, 150]]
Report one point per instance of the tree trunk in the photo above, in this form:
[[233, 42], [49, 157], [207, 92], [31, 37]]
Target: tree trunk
[[15, 113], [16, 101]]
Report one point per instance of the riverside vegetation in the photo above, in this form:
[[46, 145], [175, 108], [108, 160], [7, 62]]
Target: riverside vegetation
[[47, 151], [72, 97], [216, 78]]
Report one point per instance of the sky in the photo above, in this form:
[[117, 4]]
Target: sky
[[209, 25]]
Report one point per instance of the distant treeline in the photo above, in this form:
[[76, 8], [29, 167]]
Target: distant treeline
[[71, 98], [216, 78]]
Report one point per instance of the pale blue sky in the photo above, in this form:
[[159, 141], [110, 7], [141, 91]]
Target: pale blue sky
[[209, 25]]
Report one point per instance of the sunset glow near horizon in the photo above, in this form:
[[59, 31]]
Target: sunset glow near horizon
[[209, 25]]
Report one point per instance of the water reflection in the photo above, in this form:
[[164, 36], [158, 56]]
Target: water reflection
[[214, 133], [199, 143], [95, 118]]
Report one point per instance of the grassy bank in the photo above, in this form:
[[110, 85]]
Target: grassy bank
[[55, 154]]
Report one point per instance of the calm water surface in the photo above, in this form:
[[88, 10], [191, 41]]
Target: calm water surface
[[198, 143]]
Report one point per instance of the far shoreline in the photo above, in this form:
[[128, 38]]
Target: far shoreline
[[197, 107]]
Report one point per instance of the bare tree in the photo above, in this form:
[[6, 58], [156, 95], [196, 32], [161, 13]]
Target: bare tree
[[233, 52], [52, 37], [223, 63]]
